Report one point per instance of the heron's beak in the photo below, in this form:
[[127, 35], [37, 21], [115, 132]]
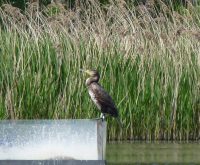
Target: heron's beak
[[86, 71], [81, 70]]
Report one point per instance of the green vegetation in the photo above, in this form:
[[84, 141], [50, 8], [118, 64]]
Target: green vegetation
[[149, 63]]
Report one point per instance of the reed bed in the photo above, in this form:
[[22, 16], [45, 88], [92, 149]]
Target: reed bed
[[149, 63]]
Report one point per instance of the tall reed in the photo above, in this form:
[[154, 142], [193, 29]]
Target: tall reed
[[149, 63]]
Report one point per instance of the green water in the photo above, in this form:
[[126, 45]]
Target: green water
[[153, 153]]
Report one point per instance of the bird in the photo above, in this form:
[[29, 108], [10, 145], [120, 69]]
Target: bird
[[100, 97]]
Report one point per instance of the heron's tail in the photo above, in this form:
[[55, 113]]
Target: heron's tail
[[119, 121]]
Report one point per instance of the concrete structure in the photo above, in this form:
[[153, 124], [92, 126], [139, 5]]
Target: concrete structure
[[52, 140]]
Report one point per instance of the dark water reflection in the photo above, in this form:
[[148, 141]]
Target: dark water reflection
[[153, 153]]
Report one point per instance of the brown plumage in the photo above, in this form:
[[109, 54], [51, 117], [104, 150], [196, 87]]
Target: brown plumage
[[100, 97]]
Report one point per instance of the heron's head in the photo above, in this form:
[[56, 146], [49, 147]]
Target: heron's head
[[92, 73]]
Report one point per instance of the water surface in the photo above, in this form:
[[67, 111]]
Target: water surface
[[153, 153]]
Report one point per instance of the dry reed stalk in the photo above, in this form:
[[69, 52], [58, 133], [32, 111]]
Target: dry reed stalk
[[10, 104]]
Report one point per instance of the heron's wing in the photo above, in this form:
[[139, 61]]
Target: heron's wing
[[103, 97]]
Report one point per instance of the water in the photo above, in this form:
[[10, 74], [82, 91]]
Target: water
[[153, 153]]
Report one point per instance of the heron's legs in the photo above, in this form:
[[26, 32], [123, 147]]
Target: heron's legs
[[103, 117]]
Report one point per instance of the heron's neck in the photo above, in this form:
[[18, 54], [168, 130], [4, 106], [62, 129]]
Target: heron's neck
[[91, 80]]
